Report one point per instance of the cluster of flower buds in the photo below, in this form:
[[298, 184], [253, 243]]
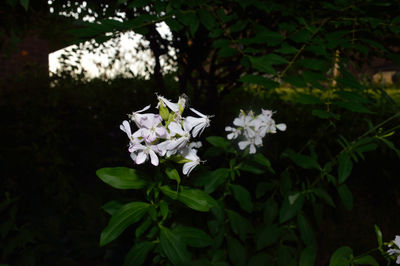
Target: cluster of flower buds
[[253, 128], [395, 249], [167, 134]]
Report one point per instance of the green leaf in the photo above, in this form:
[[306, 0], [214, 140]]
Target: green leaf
[[247, 167], [260, 259], [270, 211], [307, 99], [263, 187], [260, 80], [173, 174], [268, 236], [236, 252], [121, 177], [220, 142], [207, 19], [211, 180], [306, 232], [345, 167], [111, 207], [366, 260], [243, 197], [261, 159], [286, 49], [390, 145], [164, 210], [288, 211], [324, 114], [341, 257], [128, 214], [319, 192], [353, 106], [240, 226], [138, 253], [193, 237], [308, 256], [193, 198], [301, 36], [263, 65], [173, 247], [285, 256], [313, 64], [227, 52], [25, 4], [301, 160], [143, 227], [378, 235], [346, 196]]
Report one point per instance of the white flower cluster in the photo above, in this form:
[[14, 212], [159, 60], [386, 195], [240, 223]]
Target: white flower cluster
[[395, 251], [166, 134], [253, 128]]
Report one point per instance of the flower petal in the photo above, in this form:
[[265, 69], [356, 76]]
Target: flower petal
[[141, 157], [153, 158]]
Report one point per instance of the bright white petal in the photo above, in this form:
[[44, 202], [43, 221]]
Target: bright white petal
[[197, 130], [133, 156], [197, 112], [141, 157], [282, 127], [238, 122], [243, 144], [144, 109], [153, 158], [188, 167], [126, 127], [176, 128]]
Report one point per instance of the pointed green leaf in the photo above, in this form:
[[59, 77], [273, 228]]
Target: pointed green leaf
[[236, 252], [138, 253], [268, 236], [345, 167], [192, 236], [111, 207], [308, 256], [128, 214], [261, 159], [288, 211], [302, 160], [270, 211], [346, 196], [173, 174], [240, 225], [378, 235], [173, 247], [319, 192], [341, 257], [260, 80], [193, 198], [366, 260], [306, 231], [122, 177], [243, 197]]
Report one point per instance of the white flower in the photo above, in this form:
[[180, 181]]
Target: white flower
[[191, 155], [152, 128], [182, 140], [198, 124], [144, 152], [137, 116], [235, 132], [253, 128], [126, 127], [395, 251], [174, 107]]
